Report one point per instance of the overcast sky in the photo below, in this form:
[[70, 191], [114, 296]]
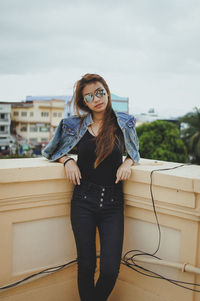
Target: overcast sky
[[147, 50]]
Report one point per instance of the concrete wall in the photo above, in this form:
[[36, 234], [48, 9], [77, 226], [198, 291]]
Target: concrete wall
[[35, 229]]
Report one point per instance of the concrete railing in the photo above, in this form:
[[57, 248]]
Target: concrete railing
[[35, 228]]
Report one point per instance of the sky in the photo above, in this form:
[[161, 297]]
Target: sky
[[147, 50]]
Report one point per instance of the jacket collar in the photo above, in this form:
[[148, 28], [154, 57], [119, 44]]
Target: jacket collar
[[88, 119], [121, 121]]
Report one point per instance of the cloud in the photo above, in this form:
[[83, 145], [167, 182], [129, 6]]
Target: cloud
[[132, 35], [148, 49]]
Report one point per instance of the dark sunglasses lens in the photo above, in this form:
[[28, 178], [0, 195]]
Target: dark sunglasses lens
[[99, 93], [89, 97]]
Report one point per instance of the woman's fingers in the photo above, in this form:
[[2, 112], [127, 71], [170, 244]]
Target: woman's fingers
[[73, 173], [122, 174], [126, 174], [77, 175], [75, 178], [118, 176], [70, 178]]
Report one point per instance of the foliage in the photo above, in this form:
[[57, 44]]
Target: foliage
[[191, 134], [160, 140]]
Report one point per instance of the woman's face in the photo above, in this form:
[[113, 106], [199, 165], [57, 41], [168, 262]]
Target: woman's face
[[100, 100]]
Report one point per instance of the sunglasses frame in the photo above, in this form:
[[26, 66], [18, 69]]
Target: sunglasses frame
[[99, 92]]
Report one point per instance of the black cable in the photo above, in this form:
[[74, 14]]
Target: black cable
[[153, 202], [158, 276], [135, 266], [154, 209], [49, 270]]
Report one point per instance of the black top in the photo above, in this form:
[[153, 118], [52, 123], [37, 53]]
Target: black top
[[105, 172]]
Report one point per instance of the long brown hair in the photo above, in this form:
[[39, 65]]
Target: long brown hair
[[106, 138]]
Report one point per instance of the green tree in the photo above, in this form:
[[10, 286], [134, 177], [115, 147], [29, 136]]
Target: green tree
[[190, 134], [160, 140]]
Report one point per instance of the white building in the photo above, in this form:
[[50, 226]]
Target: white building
[[5, 110], [151, 116]]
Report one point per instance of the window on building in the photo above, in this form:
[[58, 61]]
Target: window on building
[[44, 128], [23, 128], [60, 114], [55, 114], [44, 140], [44, 114], [33, 128], [33, 140], [2, 128], [2, 116], [16, 113], [31, 114], [23, 113]]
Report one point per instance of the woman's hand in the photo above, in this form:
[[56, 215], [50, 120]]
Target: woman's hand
[[73, 173], [124, 171], [72, 170]]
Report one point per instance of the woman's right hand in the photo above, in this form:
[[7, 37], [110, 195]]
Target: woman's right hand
[[73, 173]]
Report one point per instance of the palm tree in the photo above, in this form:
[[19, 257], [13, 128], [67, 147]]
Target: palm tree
[[190, 133]]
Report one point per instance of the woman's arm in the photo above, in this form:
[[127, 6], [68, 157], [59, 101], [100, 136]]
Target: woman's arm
[[51, 147], [62, 159], [129, 160]]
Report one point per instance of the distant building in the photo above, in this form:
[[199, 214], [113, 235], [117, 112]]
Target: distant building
[[5, 137], [66, 98], [120, 104], [151, 116], [37, 118]]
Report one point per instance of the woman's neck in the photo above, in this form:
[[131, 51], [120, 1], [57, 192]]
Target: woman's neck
[[97, 117]]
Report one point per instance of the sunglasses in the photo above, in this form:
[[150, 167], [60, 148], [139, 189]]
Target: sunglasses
[[98, 93]]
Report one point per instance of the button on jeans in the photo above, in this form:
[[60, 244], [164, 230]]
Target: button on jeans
[[102, 207]]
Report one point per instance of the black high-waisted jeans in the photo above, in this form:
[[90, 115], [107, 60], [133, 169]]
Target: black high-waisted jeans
[[103, 207]]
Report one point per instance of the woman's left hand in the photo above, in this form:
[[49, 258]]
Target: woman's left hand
[[124, 171]]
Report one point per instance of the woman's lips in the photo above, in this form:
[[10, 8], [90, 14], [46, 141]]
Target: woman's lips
[[99, 105]]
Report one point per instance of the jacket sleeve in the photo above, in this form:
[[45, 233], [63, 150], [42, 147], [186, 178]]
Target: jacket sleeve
[[133, 145], [53, 144]]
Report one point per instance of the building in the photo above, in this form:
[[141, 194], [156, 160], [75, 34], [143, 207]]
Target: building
[[37, 119], [5, 138], [66, 98], [151, 116], [120, 104]]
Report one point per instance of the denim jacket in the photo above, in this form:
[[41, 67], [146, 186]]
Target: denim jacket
[[68, 134]]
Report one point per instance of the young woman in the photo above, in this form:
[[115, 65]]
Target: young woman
[[101, 137]]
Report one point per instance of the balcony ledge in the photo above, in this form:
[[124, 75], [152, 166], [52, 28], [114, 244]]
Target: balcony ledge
[[185, 178], [35, 206]]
